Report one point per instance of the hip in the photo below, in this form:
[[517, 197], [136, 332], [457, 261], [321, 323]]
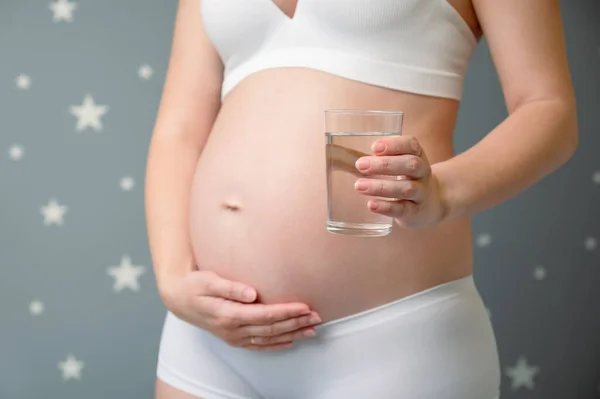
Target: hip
[[432, 344]]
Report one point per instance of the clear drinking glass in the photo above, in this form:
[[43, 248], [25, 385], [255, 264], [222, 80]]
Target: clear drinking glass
[[349, 135]]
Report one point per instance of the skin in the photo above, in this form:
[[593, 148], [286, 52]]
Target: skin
[[199, 270]]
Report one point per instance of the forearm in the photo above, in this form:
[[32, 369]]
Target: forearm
[[535, 140], [170, 170]]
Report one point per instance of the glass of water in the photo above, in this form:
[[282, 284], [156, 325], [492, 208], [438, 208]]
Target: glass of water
[[349, 135]]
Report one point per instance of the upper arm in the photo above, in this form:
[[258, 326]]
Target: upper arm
[[191, 95], [527, 46]]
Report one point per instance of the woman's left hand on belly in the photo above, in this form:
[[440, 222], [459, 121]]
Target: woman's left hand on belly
[[415, 200]]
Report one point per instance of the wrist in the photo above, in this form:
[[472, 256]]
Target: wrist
[[452, 204], [168, 282]]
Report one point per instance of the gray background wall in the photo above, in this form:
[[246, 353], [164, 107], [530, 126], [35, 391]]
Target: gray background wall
[[79, 312]]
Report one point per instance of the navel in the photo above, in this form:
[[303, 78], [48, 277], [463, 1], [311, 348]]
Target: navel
[[231, 205]]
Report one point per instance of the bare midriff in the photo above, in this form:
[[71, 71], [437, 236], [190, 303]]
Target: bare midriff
[[259, 205]]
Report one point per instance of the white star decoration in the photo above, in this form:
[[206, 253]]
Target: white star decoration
[[590, 243], [71, 368], [15, 152], [53, 213], [127, 183], [36, 307], [88, 114], [539, 273], [596, 177], [62, 10], [23, 82], [483, 240], [145, 72], [522, 374], [126, 275]]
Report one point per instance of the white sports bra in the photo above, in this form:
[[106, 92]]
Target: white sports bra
[[419, 46]]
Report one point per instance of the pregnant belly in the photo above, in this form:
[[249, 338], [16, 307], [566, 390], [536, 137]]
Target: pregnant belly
[[258, 212]]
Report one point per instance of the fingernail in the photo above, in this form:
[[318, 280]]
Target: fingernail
[[305, 312], [314, 319], [248, 294], [373, 205], [361, 185], [415, 146], [363, 163], [378, 147], [309, 333]]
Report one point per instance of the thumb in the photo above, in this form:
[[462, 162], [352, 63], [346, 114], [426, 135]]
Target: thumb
[[211, 284]]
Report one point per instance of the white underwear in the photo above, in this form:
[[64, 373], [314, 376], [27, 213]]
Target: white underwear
[[436, 344]]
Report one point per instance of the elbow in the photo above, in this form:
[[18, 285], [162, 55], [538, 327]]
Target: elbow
[[571, 130], [565, 130]]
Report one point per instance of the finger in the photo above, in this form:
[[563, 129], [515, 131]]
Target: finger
[[396, 189], [211, 284], [401, 210], [397, 145], [308, 332], [343, 159], [242, 314], [407, 165], [282, 327]]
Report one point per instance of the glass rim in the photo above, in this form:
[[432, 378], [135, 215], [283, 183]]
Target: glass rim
[[364, 112]]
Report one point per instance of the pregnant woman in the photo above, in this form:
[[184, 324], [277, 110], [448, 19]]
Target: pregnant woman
[[262, 301]]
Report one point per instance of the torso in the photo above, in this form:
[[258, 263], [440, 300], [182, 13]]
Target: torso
[[258, 201]]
